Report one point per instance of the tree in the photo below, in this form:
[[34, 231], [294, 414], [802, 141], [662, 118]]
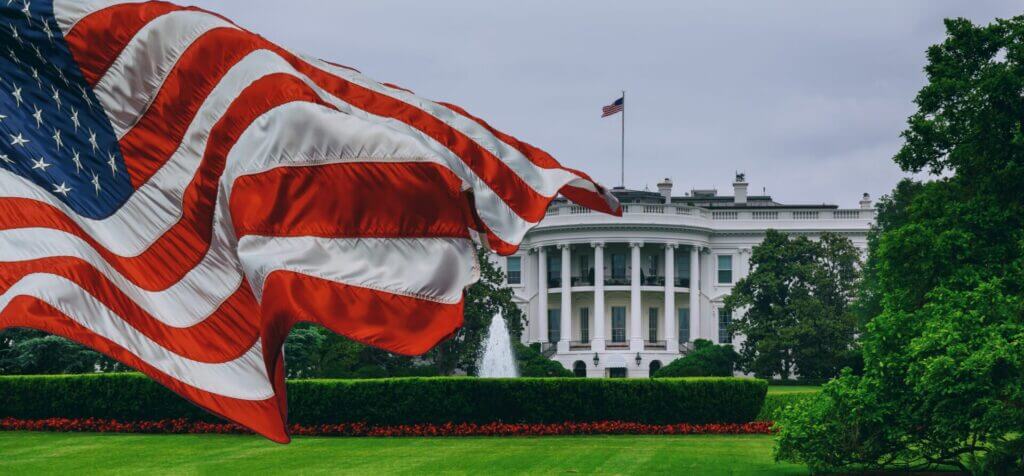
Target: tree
[[944, 347], [795, 302], [706, 360], [27, 351], [533, 364], [484, 299]]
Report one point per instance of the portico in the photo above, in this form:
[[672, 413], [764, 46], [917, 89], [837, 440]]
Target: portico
[[622, 296]]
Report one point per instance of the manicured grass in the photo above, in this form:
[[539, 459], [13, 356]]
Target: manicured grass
[[793, 388], [25, 452]]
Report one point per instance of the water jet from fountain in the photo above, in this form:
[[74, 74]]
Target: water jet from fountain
[[498, 360]]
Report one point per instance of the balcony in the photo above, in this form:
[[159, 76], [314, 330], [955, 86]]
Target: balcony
[[587, 280], [682, 282], [654, 345], [652, 280], [554, 282], [616, 281]]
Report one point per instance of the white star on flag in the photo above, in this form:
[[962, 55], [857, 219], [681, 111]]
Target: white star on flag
[[62, 189], [40, 164], [18, 140]]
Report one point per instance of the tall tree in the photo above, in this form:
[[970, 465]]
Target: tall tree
[[484, 299], [944, 348], [795, 306]]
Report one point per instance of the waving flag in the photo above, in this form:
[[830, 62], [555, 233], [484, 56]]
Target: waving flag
[[176, 192]]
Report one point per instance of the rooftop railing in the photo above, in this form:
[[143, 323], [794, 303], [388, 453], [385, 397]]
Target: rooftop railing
[[725, 215]]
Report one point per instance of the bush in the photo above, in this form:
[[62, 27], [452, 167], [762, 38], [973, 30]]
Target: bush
[[533, 364], [774, 403], [133, 397], [706, 360]]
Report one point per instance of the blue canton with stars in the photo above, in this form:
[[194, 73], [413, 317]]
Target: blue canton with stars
[[53, 131]]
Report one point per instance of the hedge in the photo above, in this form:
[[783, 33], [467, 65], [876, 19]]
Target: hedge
[[775, 402], [132, 397]]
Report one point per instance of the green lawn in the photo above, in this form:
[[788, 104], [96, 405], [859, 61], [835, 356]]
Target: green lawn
[[25, 452]]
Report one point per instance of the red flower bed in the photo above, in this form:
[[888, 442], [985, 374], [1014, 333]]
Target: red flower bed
[[359, 429]]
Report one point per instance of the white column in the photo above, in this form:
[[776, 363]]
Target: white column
[[636, 339], [694, 293], [542, 294], [597, 338], [566, 320], [671, 335]]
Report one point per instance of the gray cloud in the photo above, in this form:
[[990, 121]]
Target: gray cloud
[[807, 97]]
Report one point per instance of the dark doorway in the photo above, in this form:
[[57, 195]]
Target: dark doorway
[[579, 369], [655, 367], [617, 372]]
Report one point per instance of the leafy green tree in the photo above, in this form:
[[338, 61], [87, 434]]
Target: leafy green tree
[[27, 351], [944, 351], [706, 360], [532, 363], [303, 351], [795, 303], [484, 299]]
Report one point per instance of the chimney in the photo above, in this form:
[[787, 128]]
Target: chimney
[[865, 202], [665, 189], [739, 187]]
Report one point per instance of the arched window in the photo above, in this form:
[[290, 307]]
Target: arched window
[[579, 368], [655, 367]]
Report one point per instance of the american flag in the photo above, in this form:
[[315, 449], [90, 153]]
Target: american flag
[[176, 192], [613, 108]]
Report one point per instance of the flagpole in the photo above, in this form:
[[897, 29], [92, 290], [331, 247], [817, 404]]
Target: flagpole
[[622, 159]]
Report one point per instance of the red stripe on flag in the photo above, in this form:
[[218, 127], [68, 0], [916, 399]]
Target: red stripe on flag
[[112, 28], [262, 416], [353, 199], [223, 336]]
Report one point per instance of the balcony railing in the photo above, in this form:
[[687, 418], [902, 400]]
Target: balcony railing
[[652, 280], [554, 282], [616, 281], [682, 282], [724, 215]]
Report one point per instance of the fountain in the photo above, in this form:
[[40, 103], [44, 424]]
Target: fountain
[[498, 359]]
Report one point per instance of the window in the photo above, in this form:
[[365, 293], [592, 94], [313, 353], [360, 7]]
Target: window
[[585, 324], [724, 319], [618, 324], [652, 324], [618, 266], [514, 267], [584, 266], [555, 271], [724, 269], [682, 270], [554, 325], [579, 369], [618, 372], [684, 325], [652, 265]]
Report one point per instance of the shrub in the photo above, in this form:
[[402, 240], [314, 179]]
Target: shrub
[[774, 403], [706, 360], [533, 364], [132, 397]]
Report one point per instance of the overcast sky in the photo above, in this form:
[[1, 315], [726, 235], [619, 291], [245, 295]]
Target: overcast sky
[[807, 97]]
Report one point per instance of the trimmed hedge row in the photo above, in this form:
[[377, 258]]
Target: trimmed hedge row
[[775, 402], [132, 397]]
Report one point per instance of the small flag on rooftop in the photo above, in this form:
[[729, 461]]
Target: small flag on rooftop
[[613, 108]]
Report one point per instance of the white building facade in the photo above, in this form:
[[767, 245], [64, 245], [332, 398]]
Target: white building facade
[[621, 297]]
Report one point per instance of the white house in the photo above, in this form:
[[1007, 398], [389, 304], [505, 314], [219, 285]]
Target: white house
[[621, 297]]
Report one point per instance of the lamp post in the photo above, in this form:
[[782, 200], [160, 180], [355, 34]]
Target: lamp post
[[638, 359], [597, 360]]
